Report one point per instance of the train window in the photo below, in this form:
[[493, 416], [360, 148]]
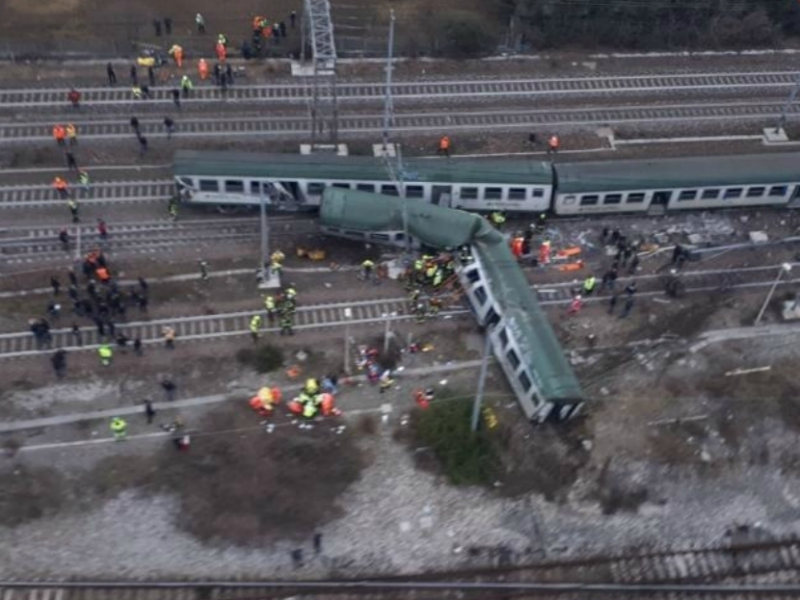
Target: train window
[[517, 194], [384, 237], [756, 192], [569, 200], [186, 181], [342, 186], [356, 234], [513, 359], [492, 318], [503, 337], [775, 190], [612, 198], [636, 198], [234, 186], [415, 191], [469, 193], [366, 187], [710, 194], [480, 294], [589, 200], [473, 275], [525, 381], [315, 188], [209, 185], [687, 195], [538, 193], [389, 190], [733, 193], [493, 193]]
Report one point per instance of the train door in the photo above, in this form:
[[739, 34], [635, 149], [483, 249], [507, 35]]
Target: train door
[[293, 190], [658, 205], [441, 195]]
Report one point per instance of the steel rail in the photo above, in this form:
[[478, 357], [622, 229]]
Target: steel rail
[[423, 122], [104, 192], [364, 312], [778, 81], [43, 244]]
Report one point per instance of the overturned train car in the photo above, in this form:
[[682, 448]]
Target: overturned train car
[[521, 336]]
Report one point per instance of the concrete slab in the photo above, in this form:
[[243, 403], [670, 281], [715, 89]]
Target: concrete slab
[[775, 136], [307, 70], [790, 310], [337, 149], [758, 237], [381, 151], [272, 281]]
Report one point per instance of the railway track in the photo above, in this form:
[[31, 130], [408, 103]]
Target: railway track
[[778, 81], [37, 244], [105, 192], [419, 122], [210, 327]]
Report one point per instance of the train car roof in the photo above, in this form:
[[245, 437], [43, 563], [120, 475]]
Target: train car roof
[[366, 168], [448, 228], [670, 173]]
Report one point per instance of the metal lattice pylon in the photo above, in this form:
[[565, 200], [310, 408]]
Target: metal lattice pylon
[[318, 30]]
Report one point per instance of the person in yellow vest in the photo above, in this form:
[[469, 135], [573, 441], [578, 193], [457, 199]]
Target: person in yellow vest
[[497, 218], [119, 428], [367, 269], [255, 326], [106, 354], [438, 277], [311, 388], [271, 308], [588, 285], [310, 409], [72, 135]]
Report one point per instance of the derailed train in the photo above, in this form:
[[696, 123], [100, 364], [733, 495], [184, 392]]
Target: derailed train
[[494, 286], [514, 185]]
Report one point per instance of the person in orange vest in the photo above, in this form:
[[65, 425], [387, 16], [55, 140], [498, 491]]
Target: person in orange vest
[[516, 246], [221, 52], [102, 274], [444, 146], [544, 253], [59, 133], [257, 22], [552, 144], [60, 186], [177, 54], [202, 67], [72, 134]]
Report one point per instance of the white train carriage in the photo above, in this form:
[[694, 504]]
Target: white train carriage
[[296, 182], [692, 183]]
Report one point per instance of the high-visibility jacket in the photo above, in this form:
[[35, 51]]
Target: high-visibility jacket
[[311, 387], [277, 256], [199, 20], [102, 274], [175, 49], [105, 352], [291, 293], [72, 131], [73, 206], [221, 52], [498, 218], [257, 20], [255, 323], [367, 264], [437, 278], [137, 92], [269, 303], [186, 83], [516, 246], [59, 133], [419, 265], [202, 67], [309, 410], [222, 39], [83, 177], [589, 283], [118, 425], [444, 143], [59, 183]]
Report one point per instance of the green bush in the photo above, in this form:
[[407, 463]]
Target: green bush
[[465, 458]]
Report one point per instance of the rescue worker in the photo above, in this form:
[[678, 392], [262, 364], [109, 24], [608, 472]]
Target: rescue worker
[[106, 354], [420, 311], [186, 85], [367, 268], [72, 134], [255, 326], [311, 387], [541, 224], [221, 52], [276, 262], [438, 277], [176, 52], [60, 185], [575, 306], [73, 209], [172, 209], [309, 410], [74, 96], [119, 428], [286, 324], [517, 244], [552, 144], [385, 382], [222, 39], [589, 284], [202, 69], [444, 146], [419, 270], [269, 305], [137, 92], [169, 337], [291, 295], [544, 253], [83, 178], [200, 22], [434, 306], [497, 218], [59, 134]]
